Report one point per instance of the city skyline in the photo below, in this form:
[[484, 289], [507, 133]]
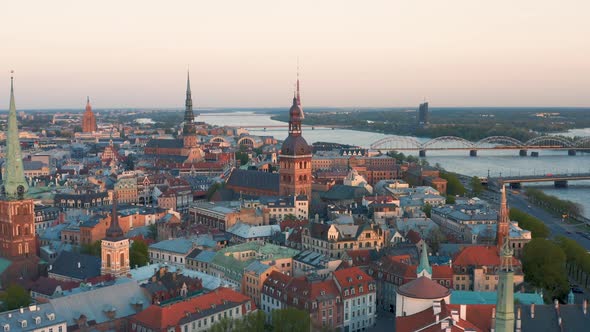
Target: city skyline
[[245, 55]]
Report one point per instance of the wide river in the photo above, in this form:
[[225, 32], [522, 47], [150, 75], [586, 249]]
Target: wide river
[[495, 162]]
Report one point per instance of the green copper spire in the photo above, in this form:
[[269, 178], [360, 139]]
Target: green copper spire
[[15, 185], [424, 269], [505, 301]]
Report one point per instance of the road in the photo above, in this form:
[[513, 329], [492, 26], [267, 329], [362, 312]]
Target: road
[[555, 225]]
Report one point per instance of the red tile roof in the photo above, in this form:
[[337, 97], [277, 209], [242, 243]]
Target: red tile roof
[[477, 318], [352, 277], [423, 288], [413, 236], [158, 317], [480, 256]]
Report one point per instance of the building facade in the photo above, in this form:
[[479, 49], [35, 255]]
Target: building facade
[[88, 119]]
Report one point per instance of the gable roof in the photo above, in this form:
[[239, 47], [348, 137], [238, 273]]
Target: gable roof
[[254, 179], [161, 317], [480, 256], [76, 265]]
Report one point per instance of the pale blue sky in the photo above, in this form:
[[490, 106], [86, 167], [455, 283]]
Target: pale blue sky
[[134, 53]]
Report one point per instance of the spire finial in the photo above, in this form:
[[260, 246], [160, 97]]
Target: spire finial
[[87, 99]]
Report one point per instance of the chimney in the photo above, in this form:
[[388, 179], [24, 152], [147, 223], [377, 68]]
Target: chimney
[[556, 304], [79, 265], [22, 310], [559, 321], [585, 306], [533, 310], [455, 315], [436, 307], [463, 312]]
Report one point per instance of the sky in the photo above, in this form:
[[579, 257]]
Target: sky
[[370, 53]]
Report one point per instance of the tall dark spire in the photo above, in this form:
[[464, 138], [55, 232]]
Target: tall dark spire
[[15, 184], [189, 116], [114, 231]]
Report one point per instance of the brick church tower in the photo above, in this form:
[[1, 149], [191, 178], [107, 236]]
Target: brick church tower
[[17, 211], [503, 223], [189, 131], [295, 156], [88, 119]]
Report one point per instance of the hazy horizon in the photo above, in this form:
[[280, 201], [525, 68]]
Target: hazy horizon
[[134, 54]]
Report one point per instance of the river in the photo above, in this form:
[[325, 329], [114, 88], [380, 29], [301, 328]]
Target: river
[[495, 162]]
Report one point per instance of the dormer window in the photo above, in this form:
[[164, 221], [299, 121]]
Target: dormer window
[[37, 320], [6, 327], [23, 323]]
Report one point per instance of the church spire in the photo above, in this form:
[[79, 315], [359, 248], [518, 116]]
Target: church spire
[[503, 222], [114, 231], [189, 116], [15, 184], [424, 269], [505, 301], [298, 93]]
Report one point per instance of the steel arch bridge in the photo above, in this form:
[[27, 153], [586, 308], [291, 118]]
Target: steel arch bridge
[[444, 143]]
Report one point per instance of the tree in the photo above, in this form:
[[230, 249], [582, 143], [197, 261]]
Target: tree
[[454, 186], [476, 186], [427, 208], [15, 297], [214, 187], [437, 237], [93, 249], [526, 221], [289, 217], [242, 157], [251, 323], [543, 263], [450, 199], [138, 253], [224, 325], [290, 320], [152, 231]]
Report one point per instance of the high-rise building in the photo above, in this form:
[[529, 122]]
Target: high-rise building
[[88, 119], [295, 156], [423, 114], [17, 215], [115, 247], [505, 302]]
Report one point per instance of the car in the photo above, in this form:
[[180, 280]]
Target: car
[[578, 290]]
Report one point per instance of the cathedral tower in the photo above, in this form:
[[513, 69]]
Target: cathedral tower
[[17, 215], [503, 223], [115, 247], [189, 132], [295, 156], [88, 119]]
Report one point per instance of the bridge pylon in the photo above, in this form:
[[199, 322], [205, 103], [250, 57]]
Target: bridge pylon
[[422, 153], [571, 152], [523, 153], [473, 153]]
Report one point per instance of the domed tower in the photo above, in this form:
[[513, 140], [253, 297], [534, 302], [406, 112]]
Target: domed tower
[[114, 247], [295, 157]]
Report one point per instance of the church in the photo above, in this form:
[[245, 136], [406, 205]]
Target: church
[[185, 149], [18, 247], [294, 178]]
